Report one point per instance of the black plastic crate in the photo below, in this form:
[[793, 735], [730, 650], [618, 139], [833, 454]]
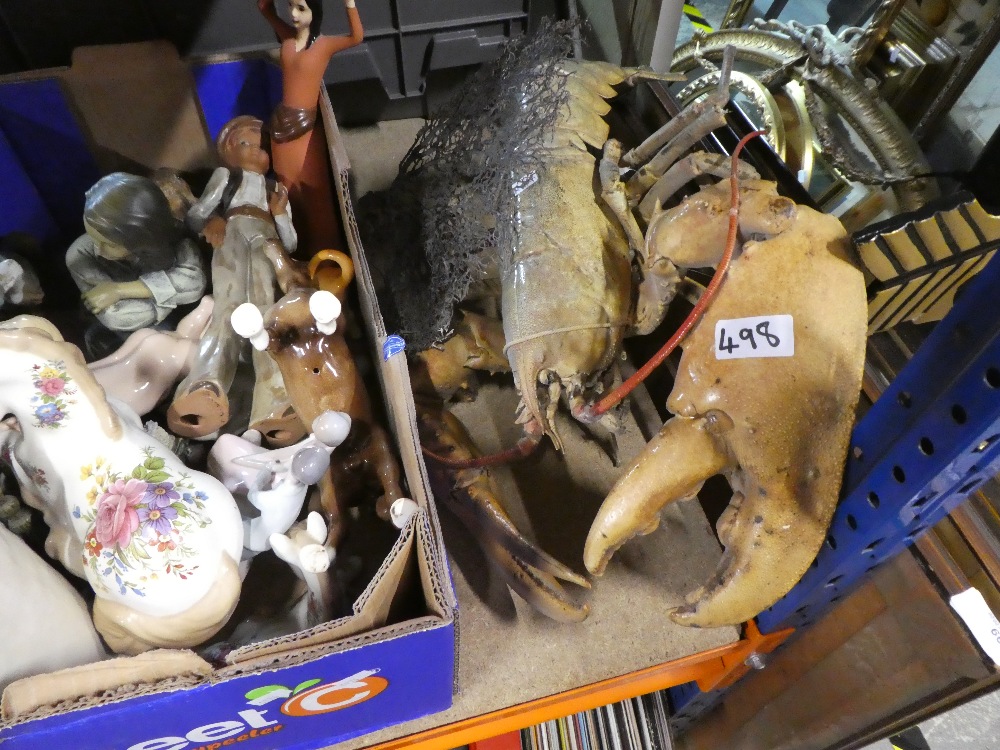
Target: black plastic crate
[[410, 47]]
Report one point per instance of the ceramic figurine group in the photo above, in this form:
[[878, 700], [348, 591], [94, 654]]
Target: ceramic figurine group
[[163, 545]]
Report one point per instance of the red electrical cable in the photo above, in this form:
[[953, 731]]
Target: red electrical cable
[[615, 397], [524, 448]]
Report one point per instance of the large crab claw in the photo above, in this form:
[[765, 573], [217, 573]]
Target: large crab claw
[[770, 537], [777, 426]]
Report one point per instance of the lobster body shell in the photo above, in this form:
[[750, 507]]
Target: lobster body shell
[[567, 293]]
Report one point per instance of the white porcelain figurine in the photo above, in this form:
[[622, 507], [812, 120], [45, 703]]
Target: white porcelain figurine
[[148, 366], [275, 481], [46, 623], [307, 552], [19, 283], [159, 543]]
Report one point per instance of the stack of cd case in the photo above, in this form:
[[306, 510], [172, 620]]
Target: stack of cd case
[[634, 724]]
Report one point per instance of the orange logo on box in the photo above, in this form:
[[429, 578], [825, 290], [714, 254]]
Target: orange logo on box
[[334, 696]]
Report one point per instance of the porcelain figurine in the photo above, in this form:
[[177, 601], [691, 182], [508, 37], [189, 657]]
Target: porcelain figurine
[[135, 263], [19, 284], [176, 190], [308, 552], [302, 335], [298, 141], [46, 622], [159, 543], [275, 481], [241, 213], [318, 598], [150, 363]]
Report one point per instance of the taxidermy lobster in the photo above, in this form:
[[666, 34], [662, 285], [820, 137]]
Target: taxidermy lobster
[[578, 273]]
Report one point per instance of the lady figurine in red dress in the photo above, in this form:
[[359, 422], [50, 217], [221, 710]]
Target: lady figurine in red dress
[[298, 144]]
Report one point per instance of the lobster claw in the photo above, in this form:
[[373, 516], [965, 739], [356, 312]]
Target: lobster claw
[[778, 426], [770, 538], [470, 493], [673, 466]]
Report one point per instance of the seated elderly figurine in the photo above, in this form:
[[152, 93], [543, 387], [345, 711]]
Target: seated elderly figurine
[[135, 264], [246, 218]]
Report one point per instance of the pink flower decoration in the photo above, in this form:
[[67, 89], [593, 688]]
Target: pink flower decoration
[[53, 386], [117, 518]]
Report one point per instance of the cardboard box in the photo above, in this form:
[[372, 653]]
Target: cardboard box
[[134, 108], [516, 664]]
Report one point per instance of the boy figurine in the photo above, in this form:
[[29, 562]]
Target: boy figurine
[[246, 219]]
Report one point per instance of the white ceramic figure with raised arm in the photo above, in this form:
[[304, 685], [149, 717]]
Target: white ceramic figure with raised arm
[[275, 481], [159, 543], [46, 623]]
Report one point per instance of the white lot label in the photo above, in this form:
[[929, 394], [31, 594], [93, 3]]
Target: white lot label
[[763, 336], [979, 618]]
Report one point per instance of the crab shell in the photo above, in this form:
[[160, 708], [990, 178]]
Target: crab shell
[[777, 427]]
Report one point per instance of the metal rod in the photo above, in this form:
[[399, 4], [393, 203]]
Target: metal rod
[[572, 12], [667, 26]]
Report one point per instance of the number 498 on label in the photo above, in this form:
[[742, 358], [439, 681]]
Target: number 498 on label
[[763, 336]]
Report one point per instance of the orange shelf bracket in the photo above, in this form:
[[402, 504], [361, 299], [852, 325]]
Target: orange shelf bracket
[[712, 670], [737, 661]]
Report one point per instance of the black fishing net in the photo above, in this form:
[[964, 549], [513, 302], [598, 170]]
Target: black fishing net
[[448, 220]]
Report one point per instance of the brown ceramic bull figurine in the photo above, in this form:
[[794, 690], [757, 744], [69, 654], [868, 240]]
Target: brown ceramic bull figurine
[[301, 334]]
